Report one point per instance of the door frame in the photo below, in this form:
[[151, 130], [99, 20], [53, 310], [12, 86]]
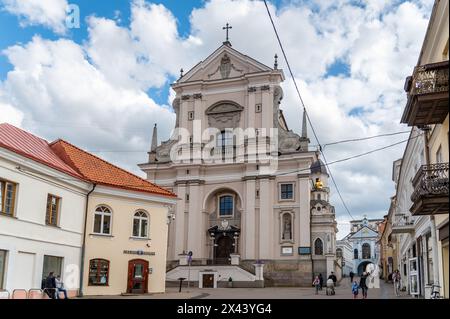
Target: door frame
[[130, 274]]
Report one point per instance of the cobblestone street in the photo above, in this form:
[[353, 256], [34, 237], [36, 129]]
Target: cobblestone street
[[343, 291]]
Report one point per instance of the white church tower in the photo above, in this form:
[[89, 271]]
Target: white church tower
[[244, 208]]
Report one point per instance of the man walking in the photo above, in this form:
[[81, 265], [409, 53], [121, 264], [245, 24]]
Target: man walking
[[352, 274], [363, 285]]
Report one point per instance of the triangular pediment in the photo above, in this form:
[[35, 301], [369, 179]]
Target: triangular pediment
[[224, 63], [364, 232]]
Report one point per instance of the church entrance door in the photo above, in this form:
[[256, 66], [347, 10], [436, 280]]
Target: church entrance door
[[223, 249]]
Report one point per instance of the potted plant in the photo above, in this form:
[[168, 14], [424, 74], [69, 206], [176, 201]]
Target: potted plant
[[230, 282]]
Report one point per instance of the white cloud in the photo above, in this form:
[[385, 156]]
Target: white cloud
[[62, 95], [100, 87], [50, 13]]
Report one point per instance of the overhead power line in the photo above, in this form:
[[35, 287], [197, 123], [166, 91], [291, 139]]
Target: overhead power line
[[305, 111], [276, 174]]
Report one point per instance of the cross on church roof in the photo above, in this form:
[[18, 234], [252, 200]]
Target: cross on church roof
[[227, 27]]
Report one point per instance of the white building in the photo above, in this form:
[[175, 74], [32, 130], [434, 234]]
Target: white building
[[344, 255], [42, 204], [363, 238], [54, 194], [236, 208]]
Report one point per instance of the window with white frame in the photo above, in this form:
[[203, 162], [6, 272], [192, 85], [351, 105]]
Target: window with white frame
[[190, 115], [286, 191], [140, 224], [102, 220]]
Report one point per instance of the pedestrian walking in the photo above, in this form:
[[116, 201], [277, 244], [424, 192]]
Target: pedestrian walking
[[60, 287], [363, 285], [50, 286], [321, 281], [352, 274], [316, 284], [355, 290], [396, 280]]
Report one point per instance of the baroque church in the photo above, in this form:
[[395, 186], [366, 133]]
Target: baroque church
[[253, 204]]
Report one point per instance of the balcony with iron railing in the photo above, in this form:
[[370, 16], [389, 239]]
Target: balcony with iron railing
[[427, 90], [430, 194], [403, 225]]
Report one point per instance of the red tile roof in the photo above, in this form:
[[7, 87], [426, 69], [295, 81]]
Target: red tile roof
[[33, 147], [101, 172], [72, 160]]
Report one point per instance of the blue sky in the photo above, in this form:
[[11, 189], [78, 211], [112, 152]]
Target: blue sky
[[112, 75], [118, 10]]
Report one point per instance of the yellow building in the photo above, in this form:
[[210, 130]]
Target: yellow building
[[126, 224], [427, 109]]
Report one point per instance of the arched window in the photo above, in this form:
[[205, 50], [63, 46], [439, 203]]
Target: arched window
[[318, 247], [102, 220], [339, 253], [140, 224], [98, 272], [366, 251], [226, 205], [355, 253]]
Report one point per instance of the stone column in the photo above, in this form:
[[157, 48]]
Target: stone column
[[194, 228], [251, 108], [265, 225], [267, 108], [330, 263], [434, 244], [249, 217], [180, 245], [303, 193]]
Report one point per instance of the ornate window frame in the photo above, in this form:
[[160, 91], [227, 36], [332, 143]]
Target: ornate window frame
[[281, 224], [233, 196], [323, 246]]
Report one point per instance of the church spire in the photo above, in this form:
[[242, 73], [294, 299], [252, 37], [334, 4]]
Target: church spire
[[154, 139], [152, 153], [304, 125]]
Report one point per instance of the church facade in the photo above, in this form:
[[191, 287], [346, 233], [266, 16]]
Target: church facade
[[251, 193]]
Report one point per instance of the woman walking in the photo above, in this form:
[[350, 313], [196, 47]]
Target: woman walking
[[316, 284]]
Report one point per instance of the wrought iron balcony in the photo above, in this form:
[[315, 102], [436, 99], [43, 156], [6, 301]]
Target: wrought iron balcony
[[427, 95], [430, 194]]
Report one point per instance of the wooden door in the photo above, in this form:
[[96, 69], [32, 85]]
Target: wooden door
[[137, 276], [223, 250], [208, 281]]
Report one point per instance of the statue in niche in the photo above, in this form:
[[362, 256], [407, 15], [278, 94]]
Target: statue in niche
[[225, 66], [287, 227]]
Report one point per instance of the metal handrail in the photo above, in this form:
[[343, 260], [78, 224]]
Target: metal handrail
[[17, 290], [31, 291], [4, 290]]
